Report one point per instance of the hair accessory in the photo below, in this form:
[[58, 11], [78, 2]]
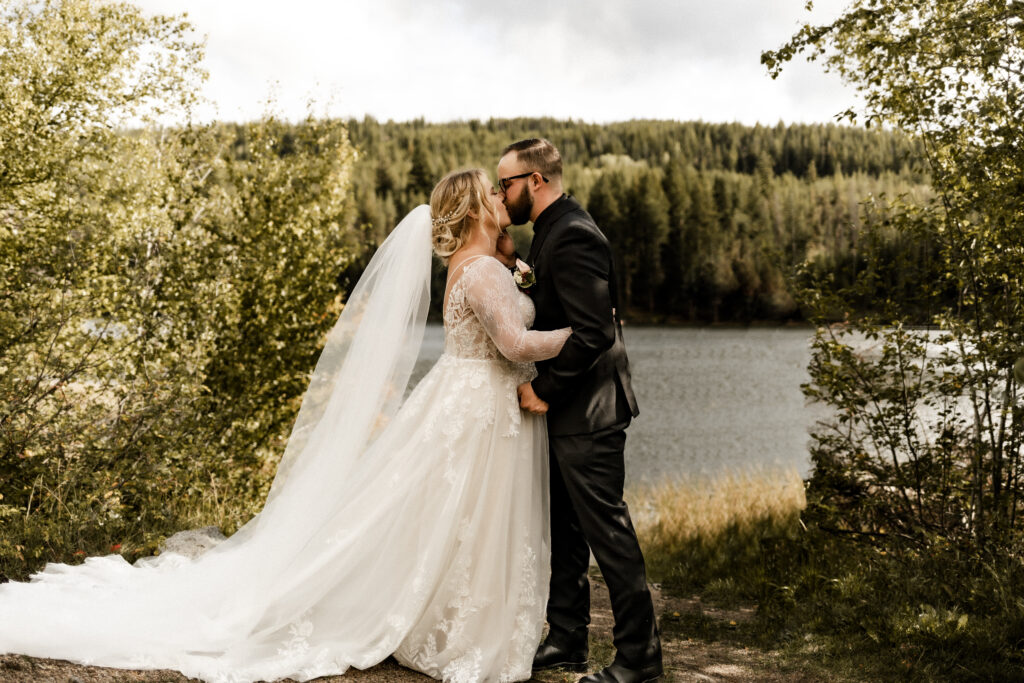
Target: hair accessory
[[441, 220]]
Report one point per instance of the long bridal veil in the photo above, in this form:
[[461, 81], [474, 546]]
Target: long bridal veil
[[360, 379], [170, 611]]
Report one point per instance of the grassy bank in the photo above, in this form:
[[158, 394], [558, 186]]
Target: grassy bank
[[863, 611], [701, 531]]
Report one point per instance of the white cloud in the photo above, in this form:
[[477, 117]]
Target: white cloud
[[596, 60]]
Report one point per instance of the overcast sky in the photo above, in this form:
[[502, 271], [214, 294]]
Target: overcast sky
[[595, 60]]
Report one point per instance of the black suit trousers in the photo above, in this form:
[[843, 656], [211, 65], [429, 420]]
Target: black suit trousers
[[588, 514]]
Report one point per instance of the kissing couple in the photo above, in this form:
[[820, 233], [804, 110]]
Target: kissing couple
[[440, 526]]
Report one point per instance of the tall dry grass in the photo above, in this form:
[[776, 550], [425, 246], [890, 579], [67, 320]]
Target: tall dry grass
[[686, 508], [701, 531]]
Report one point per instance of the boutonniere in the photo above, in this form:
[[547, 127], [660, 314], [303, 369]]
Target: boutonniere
[[523, 275]]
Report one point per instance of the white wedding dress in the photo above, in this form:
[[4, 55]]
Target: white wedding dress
[[429, 541]]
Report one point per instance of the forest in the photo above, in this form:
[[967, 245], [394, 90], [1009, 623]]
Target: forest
[[708, 222]]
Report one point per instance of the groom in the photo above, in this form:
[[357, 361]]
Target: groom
[[589, 401]]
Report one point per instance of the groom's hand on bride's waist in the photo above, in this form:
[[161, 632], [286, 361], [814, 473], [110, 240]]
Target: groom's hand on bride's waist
[[529, 401]]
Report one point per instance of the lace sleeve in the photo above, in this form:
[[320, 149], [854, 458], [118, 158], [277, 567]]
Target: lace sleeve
[[491, 293]]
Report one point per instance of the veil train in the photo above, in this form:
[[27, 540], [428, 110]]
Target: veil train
[[260, 578]]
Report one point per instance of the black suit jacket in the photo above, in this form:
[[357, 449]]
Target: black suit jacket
[[588, 385]]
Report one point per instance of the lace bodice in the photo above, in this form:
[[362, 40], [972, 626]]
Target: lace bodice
[[486, 317]]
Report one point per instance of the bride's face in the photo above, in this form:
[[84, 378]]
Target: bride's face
[[499, 206]]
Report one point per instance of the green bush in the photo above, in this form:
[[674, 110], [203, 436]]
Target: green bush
[[163, 292], [910, 555]]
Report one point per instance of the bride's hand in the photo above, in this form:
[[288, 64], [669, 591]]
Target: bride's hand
[[506, 251], [529, 401]]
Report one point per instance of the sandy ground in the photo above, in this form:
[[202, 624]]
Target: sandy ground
[[686, 659]]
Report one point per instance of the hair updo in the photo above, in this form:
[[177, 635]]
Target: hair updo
[[455, 197]]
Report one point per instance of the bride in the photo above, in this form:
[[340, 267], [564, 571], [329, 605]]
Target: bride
[[408, 526]]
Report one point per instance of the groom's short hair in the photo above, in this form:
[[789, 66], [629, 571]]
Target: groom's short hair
[[539, 155]]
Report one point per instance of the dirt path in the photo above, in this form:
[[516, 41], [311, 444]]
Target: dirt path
[[688, 657]]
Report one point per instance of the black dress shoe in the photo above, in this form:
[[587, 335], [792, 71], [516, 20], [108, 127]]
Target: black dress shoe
[[616, 673], [553, 656]]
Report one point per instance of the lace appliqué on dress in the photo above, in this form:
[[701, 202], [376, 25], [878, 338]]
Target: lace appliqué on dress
[[487, 317]]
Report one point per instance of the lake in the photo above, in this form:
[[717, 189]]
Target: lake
[[712, 400]]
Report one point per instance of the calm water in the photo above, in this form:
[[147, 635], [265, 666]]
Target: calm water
[[710, 400]]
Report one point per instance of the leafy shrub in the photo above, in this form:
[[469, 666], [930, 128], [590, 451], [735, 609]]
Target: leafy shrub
[[163, 292], [914, 506]]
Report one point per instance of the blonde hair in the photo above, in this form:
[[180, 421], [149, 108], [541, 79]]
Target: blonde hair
[[454, 198]]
